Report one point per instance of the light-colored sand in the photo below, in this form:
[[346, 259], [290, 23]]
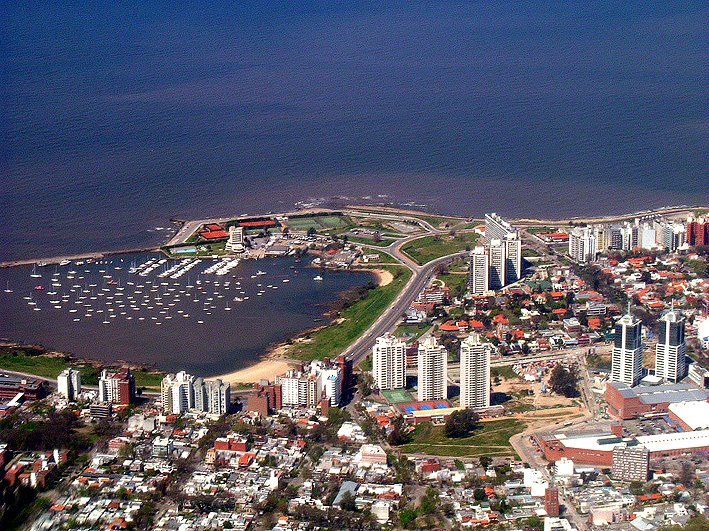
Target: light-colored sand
[[384, 277], [264, 370]]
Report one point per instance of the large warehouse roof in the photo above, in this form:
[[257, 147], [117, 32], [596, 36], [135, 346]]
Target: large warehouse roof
[[654, 443], [665, 393], [694, 414]]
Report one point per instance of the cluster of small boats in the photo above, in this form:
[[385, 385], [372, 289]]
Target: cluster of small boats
[[158, 290]]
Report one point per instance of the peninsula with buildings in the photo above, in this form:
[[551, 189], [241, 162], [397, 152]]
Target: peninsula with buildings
[[502, 374]]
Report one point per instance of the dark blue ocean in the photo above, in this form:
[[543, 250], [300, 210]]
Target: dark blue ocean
[[116, 116]]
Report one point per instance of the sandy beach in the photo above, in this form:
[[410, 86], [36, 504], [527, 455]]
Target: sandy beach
[[265, 369], [384, 277]]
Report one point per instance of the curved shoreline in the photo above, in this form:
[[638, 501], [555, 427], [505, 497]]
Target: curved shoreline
[[276, 360]]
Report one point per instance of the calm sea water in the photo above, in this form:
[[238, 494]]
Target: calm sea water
[[193, 323], [117, 116]]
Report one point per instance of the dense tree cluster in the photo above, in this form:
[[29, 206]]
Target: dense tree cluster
[[564, 381], [461, 423], [56, 430]]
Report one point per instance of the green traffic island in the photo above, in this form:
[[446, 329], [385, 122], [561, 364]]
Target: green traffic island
[[384, 242], [357, 311], [37, 361]]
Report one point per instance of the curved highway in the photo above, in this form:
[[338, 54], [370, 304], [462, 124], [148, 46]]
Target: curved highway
[[358, 350]]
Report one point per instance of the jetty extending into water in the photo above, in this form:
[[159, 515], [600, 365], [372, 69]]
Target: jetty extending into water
[[189, 227]]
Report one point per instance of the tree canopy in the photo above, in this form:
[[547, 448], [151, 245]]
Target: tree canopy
[[461, 423]]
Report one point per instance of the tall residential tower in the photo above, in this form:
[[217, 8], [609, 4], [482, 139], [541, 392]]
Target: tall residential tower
[[389, 362], [627, 361], [671, 348], [474, 372], [432, 370]]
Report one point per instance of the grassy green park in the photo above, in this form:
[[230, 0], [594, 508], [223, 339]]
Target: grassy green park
[[492, 438], [429, 248], [354, 320], [47, 366]]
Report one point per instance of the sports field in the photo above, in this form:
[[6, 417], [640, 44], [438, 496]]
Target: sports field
[[318, 223], [397, 396]]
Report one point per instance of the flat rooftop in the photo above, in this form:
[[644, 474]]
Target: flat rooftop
[[694, 414], [655, 443], [657, 394]]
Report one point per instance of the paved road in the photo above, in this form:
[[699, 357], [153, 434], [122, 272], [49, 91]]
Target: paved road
[[358, 350]]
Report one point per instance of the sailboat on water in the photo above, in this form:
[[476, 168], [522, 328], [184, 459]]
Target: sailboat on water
[[7, 287], [34, 273]]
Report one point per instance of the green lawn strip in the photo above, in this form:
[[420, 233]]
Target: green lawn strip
[[370, 241], [428, 248], [50, 367], [333, 339]]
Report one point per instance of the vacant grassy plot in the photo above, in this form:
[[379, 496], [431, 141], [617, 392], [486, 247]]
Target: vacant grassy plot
[[333, 339], [491, 438], [51, 366], [44, 366], [429, 248]]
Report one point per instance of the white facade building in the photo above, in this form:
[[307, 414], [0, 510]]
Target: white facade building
[[235, 243], [479, 272], [432, 370], [474, 372], [69, 384], [183, 393], [177, 393], [513, 258], [498, 264], [389, 362], [307, 387], [582, 245]]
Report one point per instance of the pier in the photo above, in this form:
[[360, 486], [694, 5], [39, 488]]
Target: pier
[[85, 256]]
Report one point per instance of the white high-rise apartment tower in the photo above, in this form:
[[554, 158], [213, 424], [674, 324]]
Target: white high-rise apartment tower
[[69, 384], [498, 263], [389, 362], [474, 372], [582, 245], [627, 360], [479, 274], [671, 348], [513, 258], [177, 393], [432, 370]]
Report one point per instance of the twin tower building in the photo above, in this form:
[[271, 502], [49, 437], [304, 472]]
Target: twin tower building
[[499, 262], [389, 369], [670, 351]]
